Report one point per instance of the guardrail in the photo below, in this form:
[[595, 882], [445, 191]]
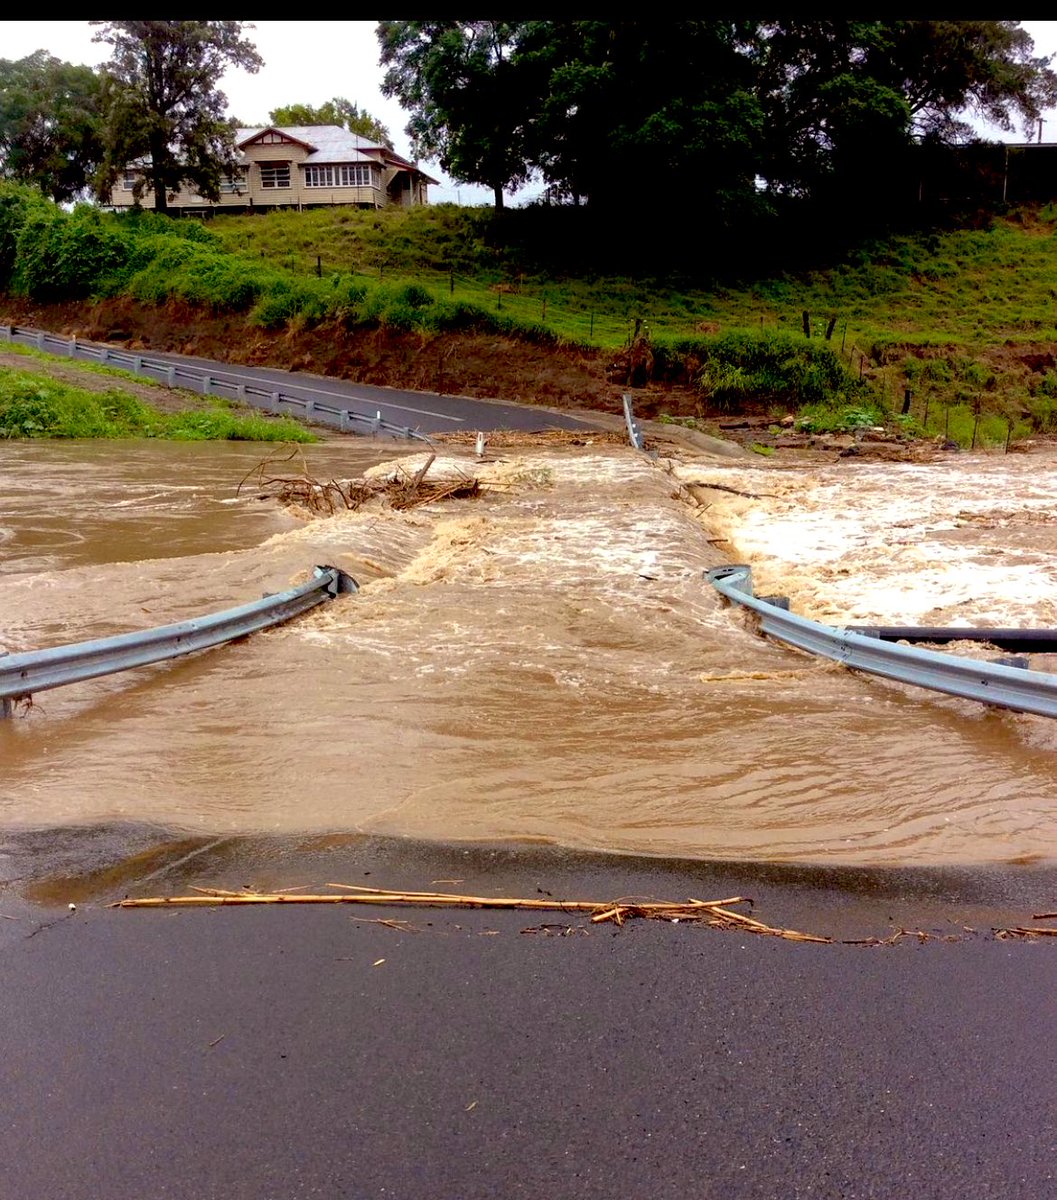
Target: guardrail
[[992, 683], [634, 432], [38, 670], [209, 381]]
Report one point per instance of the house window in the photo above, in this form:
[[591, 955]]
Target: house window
[[275, 174], [342, 175], [128, 182], [356, 175], [233, 184]]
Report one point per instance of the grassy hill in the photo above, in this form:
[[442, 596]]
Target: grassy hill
[[965, 319]]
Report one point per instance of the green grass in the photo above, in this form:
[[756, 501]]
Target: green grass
[[34, 406], [943, 313]]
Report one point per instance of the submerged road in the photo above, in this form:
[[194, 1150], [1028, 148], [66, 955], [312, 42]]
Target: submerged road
[[299, 1051]]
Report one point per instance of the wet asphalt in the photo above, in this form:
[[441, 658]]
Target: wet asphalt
[[425, 412], [312, 1051]]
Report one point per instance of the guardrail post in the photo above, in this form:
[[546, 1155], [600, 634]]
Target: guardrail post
[[104, 354], [72, 348], [310, 407], [376, 424], [7, 705], [6, 332], [137, 364], [240, 391], [277, 399], [40, 339], [633, 430], [344, 422], [170, 377], [207, 383]]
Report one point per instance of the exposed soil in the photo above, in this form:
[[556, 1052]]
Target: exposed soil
[[484, 366]]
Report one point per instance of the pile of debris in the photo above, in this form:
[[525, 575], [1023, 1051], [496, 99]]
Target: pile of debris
[[398, 489]]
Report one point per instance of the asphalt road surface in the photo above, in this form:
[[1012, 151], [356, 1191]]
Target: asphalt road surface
[[426, 412], [300, 1051]]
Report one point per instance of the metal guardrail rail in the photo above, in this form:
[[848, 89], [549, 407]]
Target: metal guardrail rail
[[209, 381], [1021, 641], [992, 683], [38, 670]]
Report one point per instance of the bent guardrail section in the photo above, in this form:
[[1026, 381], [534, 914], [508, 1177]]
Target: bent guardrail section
[[209, 381], [38, 670], [991, 683]]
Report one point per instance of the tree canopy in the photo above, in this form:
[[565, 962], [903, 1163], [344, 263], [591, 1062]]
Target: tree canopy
[[338, 111], [726, 112], [466, 96], [50, 124], [162, 105]]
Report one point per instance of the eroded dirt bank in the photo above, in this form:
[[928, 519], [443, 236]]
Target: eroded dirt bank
[[482, 365]]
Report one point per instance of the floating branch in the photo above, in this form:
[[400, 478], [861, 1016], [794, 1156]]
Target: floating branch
[[401, 491], [716, 913]]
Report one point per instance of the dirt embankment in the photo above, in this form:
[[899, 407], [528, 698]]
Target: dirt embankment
[[480, 365]]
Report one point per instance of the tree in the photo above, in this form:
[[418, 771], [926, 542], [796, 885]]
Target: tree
[[468, 100], [641, 106], [162, 104], [597, 107], [338, 111], [845, 98], [50, 124]]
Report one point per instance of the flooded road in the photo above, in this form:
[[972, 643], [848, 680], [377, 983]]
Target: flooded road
[[542, 664]]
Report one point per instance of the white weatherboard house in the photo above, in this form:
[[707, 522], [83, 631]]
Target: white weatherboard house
[[299, 166]]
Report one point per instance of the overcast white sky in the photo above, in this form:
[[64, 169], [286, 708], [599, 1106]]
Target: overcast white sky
[[312, 61]]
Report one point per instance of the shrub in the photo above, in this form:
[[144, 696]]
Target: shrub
[[764, 368], [62, 256]]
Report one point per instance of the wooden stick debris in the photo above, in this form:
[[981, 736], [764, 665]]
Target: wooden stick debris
[[715, 913]]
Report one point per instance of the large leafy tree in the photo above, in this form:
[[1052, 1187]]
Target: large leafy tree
[[633, 113], [469, 103], [845, 98], [50, 124], [163, 106], [338, 111], [636, 111]]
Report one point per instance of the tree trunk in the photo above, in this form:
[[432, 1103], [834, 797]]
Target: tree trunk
[[161, 201], [498, 197], [157, 175]]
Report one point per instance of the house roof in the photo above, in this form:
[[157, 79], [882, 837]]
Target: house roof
[[332, 144]]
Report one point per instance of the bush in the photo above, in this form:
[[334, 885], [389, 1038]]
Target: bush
[[62, 256], [762, 368], [17, 203]]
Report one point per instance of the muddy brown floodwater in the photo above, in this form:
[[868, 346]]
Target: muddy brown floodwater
[[542, 664]]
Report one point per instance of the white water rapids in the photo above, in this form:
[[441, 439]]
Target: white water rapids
[[544, 663]]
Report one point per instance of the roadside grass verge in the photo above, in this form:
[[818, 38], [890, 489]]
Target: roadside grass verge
[[34, 406]]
